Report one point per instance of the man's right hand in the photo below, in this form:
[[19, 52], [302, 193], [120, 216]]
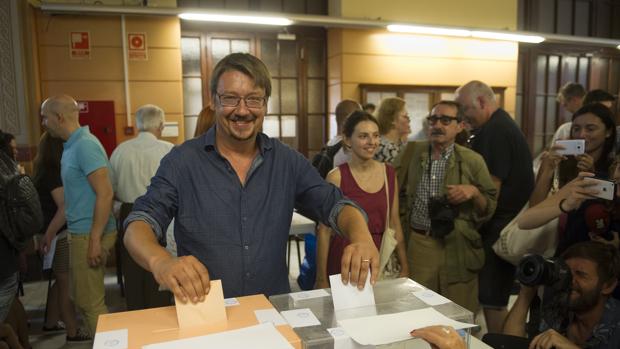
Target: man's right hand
[[185, 276]]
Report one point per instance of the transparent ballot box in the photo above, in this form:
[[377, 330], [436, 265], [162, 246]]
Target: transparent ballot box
[[391, 296]]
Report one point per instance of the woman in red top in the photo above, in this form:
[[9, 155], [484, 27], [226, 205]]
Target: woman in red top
[[361, 179]]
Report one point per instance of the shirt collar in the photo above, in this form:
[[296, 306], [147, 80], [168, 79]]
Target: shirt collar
[[147, 135], [446, 153], [77, 134], [264, 142]]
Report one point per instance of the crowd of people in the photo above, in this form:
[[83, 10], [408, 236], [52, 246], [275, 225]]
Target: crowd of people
[[224, 200]]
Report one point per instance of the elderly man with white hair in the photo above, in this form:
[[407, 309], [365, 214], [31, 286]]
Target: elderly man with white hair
[[134, 163]]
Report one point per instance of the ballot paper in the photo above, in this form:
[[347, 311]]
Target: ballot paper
[[210, 312], [343, 341], [111, 340], [349, 296], [269, 315], [298, 296], [48, 259], [431, 298], [390, 328], [262, 336], [229, 302]]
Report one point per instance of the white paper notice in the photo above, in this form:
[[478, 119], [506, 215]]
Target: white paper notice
[[111, 340], [300, 318], [390, 328], [431, 298], [229, 302], [298, 296], [349, 296], [263, 336], [269, 315], [48, 259]]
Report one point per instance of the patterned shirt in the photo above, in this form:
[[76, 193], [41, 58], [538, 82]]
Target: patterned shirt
[[605, 335], [429, 187], [388, 150]]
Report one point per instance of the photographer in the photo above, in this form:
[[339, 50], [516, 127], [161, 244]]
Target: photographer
[[592, 317], [446, 194]]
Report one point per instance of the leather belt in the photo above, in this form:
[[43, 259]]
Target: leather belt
[[421, 232]]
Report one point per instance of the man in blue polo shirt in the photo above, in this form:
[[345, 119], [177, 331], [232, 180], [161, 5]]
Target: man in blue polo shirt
[[88, 204]]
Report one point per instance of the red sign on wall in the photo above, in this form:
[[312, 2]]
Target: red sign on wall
[[80, 45], [137, 47]]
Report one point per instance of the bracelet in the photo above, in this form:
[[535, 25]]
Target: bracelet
[[561, 209]]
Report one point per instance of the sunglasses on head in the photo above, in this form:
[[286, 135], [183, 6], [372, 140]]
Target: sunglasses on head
[[444, 119]]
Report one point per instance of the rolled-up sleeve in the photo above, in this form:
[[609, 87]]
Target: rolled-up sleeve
[[159, 205]]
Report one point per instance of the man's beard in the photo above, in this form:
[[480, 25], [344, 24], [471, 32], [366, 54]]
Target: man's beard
[[586, 300]]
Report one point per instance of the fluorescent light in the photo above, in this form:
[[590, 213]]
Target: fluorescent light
[[618, 47], [212, 17], [508, 36], [415, 29]]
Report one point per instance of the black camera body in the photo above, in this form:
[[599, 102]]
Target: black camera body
[[556, 278], [442, 215]]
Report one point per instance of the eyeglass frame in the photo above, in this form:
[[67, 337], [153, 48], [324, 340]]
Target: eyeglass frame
[[433, 119], [245, 100]]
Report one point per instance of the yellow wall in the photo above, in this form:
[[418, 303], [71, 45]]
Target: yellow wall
[[156, 80], [492, 14], [379, 57]]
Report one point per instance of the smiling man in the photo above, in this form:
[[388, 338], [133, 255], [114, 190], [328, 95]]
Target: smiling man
[[439, 169], [232, 193]]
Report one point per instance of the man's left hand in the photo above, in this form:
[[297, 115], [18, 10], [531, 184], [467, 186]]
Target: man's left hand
[[551, 339], [460, 193], [357, 257], [95, 254]]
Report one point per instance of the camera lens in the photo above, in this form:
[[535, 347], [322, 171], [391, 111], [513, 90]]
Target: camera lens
[[531, 270]]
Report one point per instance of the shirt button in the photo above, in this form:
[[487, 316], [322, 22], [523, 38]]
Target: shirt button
[[247, 274], [246, 247], [434, 177], [244, 219]]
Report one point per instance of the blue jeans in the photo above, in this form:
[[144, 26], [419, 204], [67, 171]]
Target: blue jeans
[[8, 290]]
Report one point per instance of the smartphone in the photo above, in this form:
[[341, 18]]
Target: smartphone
[[572, 146], [606, 189]]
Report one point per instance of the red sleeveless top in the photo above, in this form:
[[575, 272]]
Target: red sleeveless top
[[375, 206]]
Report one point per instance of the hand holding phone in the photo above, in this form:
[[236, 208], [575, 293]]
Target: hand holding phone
[[606, 188], [571, 146]]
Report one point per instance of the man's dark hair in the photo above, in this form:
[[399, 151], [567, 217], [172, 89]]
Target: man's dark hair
[[344, 109], [248, 65], [605, 256], [369, 106], [598, 96], [459, 109], [355, 118], [572, 89], [5, 143]]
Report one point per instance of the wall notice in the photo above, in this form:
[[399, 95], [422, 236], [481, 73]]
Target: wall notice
[[80, 45], [137, 47]]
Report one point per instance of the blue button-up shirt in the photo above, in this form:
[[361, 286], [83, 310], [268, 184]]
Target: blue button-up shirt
[[239, 232]]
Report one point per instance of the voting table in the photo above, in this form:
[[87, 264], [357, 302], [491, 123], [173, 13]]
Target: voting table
[[391, 296]]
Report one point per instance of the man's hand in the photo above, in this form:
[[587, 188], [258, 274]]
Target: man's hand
[[95, 254], [185, 276], [615, 241], [460, 193], [551, 339], [46, 242], [356, 259]]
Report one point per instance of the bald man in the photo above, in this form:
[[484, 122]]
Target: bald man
[[502, 145], [88, 199]]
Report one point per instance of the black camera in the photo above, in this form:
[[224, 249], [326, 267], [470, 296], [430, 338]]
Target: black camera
[[442, 215], [556, 277], [535, 270]]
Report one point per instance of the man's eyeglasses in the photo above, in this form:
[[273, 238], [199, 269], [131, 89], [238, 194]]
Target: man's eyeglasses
[[444, 119], [252, 102]]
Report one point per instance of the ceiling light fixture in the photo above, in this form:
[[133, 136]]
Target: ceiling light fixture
[[213, 17], [534, 39], [416, 29]]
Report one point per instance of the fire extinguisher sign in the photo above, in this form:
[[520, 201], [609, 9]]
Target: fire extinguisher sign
[[80, 45], [137, 46]]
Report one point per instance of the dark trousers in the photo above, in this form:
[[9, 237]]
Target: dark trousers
[[141, 289]]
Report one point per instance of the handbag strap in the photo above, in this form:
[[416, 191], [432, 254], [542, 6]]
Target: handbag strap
[[387, 196]]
